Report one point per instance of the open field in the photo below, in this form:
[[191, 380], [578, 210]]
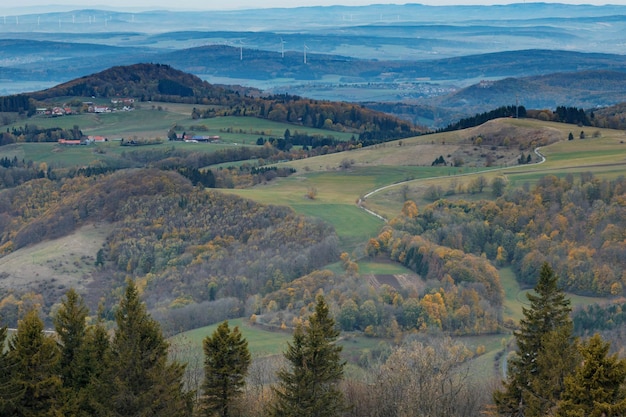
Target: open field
[[63, 262], [263, 342], [515, 296]]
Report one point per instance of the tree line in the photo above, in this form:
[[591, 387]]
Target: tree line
[[562, 114], [81, 369], [32, 133], [84, 369]]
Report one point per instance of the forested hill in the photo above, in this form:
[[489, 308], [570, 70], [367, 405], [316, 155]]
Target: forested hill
[[158, 82], [188, 245], [142, 81]]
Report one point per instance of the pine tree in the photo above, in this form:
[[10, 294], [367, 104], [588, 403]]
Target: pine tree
[[94, 359], [596, 389], [310, 387], [69, 323], [226, 362], [34, 357], [83, 354], [545, 325], [140, 379], [9, 391]]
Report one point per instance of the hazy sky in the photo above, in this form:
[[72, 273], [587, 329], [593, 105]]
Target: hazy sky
[[246, 4]]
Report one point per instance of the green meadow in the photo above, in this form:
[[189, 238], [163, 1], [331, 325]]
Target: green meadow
[[263, 342]]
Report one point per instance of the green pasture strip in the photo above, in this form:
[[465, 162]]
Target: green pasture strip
[[147, 121], [386, 207], [355, 345], [583, 300], [353, 225], [260, 342], [66, 156], [514, 297], [606, 172], [335, 202], [56, 155], [378, 267], [263, 342], [389, 202], [332, 188], [335, 268], [83, 121], [262, 127], [187, 346], [482, 367], [126, 124]]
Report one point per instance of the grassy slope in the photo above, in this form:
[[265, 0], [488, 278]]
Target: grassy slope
[[64, 261], [262, 342]]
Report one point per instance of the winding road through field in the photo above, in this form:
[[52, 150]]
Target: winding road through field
[[361, 200]]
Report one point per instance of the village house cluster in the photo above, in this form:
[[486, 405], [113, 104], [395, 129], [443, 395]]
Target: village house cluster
[[117, 104], [197, 138], [86, 141]]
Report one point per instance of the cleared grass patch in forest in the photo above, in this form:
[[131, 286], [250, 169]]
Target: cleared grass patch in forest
[[260, 342], [515, 296], [382, 267]]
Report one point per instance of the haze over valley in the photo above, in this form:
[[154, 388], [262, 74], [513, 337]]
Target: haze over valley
[[415, 54]]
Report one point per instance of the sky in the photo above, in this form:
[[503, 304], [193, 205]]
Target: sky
[[248, 4]]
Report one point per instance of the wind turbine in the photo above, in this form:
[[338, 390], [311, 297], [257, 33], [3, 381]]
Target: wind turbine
[[282, 48], [240, 50], [305, 48]]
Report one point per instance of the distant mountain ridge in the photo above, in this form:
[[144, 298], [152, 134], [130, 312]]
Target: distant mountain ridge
[[407, 54]]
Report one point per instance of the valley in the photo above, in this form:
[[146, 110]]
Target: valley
[[415, 167]]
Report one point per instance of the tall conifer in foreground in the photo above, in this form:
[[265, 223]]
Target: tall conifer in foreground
[[536, 373], [9, 391], [69, 323], [226, 362], [141, 380], [596, 389], [34, 357], [310, 387], [84, 351]]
